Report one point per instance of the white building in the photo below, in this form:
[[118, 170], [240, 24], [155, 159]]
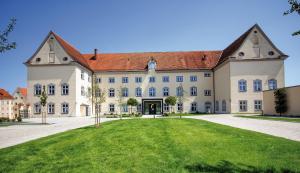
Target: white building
[[6, 104], [21, 106], [224, 81]]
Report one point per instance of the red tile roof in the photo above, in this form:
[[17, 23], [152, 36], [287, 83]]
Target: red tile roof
[[4, 95], [23, 91]]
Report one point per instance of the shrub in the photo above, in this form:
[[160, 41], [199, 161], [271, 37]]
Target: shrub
[[19, 119], [165, 115]]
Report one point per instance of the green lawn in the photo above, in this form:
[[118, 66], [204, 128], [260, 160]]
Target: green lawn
[[297, 120], [154, 145]]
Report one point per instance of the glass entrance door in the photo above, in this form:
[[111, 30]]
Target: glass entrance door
[[152, 108]]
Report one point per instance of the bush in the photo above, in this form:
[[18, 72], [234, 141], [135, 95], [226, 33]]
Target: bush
[[4, 119], [138, 114], [165, 114], [19, 119]]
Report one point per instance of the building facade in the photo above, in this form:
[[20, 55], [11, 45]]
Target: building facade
[[224, 81], [6, 104], [21, 106]]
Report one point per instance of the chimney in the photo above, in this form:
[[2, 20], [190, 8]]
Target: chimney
[[95, 54]]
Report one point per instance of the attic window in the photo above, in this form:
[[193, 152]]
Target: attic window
[[255, 32], [241, 53], [65, 59], [151, 64], [271, 53], [38, 59]]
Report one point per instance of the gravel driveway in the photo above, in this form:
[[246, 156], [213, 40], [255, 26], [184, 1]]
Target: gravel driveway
[[32, 129], [288, 130]]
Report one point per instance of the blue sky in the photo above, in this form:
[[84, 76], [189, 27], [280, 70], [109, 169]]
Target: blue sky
[[141, 26]]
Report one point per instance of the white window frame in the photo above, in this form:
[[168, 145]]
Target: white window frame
[[111, 108], [124, 79], [151, 79], [243, 105], [111, 92], [257, 105], [111, 80], [65, 108], [179, 107], [194, 107], [51, 108], [37, 89], [242, 85], [138, 92], [165, 91], [166, 107], [82, 91], [179, 78], [193, 78], [165, 79], [37, 108], [207, 74], [51, 89], [138, 79], [64, 89], [125, 92], [98, 80], [152, 92], [193, 91], [257, 85], [179, 91], [272, 84], [207, 92]]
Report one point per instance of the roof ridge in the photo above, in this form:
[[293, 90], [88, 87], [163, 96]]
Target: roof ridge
[[193, 51]]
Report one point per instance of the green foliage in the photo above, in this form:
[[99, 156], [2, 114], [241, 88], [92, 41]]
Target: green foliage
[[5, 45], [295, 7], [132, 102], [280, 101], [171, 100], [43, 97]]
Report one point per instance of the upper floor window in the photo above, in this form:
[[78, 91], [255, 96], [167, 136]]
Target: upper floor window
[[193, 91], [207, 74], [51, 89], [165, 91], [37, 108], [165, 78], [111, 92], [125, 108], [242, 85], [138, 92], [152, 79], [98, 92], [138, 79], [64, 89], [179, 78], [111, 80], [65, 108], [257, 85], [37, 89], [98, 80], [124, 79], [217, 106], [243, 105], [223, 106], [82, 75], [272, 84], [51, 108], [193, 78], [152, 64], [152, 92], [82, 91], [125, 92], [207, 92], [179, 91]]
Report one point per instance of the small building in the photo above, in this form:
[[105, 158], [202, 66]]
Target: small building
[[21, 106], [6, 104], [293, 101]]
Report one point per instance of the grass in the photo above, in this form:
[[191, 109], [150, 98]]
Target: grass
[[187, 114], [297, 120], [154, 145]]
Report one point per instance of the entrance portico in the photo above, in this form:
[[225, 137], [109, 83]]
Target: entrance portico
[[152, 106]]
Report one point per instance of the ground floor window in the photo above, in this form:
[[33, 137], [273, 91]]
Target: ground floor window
[[124, 108], [194, 107], [207, 107], [257, 105], [166, 107], [51, 108], [223, 106], [111, 108], [217, 106], [37, 108], [65, 108], [139, 108], [243, 105], [179, 107]]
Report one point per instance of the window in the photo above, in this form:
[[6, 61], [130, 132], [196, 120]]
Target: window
[[82, 75], [124, 108], [223, 106], [89, 78], [271, 53], [51, 89], [111, 92], [51, 57], [38, 59], [82, 91], [257, 85], [138, 79], [207, 74], [50, 108], [241, 54], [98, 80], [179, 107], [179, 78], [37, 89], [207, 92], [152, 92], [111, 80], [151, 65], [37, 108], [193, 91], [111, 108], [125, 92], [151, 79], [139, 108], [179, 91], [193, 78], [98, 92], [243, 105], [194, 107], [65, 108], [165, 78], [138, 92], [65, 59], [257, 105], [165, 91], [272, 84], [64, 89], [217, 106], [124, 79], [242, 85], [166, 107]]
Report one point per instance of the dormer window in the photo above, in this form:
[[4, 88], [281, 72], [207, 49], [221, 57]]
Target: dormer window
[[38, 59], [65, 59], [241, 54], [271, 53], [152, 64]]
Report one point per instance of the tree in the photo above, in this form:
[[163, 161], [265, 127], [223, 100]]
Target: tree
[[132, 102], [181, 97], [5, 45], [120, 100], [171, 100], [280, 101], [43, 101], [295, 7]]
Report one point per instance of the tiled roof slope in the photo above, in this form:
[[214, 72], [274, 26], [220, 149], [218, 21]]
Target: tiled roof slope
[[4, 95], [23, 91], [192, 60]]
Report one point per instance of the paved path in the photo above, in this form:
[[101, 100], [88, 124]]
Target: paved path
[[33, 129], [288, 130]]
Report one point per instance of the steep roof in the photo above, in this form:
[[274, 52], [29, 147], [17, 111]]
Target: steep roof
[[4, 95], [192, 60], [23, 91]]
